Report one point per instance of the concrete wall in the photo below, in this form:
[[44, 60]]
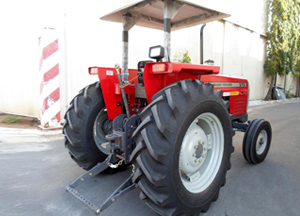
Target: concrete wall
[[236, 44]]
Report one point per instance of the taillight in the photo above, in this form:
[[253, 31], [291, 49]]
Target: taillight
[[159, 68], [93, 70]]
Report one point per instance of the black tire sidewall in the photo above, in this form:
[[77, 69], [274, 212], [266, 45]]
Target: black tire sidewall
[[79, 127], [248, 139], [263, 125], [89, 130], [200, 199]]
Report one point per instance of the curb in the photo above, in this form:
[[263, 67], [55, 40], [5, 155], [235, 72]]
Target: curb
[[29, 132], [254, 103], [23, 136]]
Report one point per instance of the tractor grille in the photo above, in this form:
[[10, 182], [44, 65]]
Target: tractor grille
[[238, 105]]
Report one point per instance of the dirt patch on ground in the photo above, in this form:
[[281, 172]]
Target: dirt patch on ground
[[14, 121]]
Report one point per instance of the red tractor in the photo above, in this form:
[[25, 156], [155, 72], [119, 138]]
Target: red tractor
[[173, 122]]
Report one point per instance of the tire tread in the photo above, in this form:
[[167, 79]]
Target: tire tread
[[74, 128], [151, 153]]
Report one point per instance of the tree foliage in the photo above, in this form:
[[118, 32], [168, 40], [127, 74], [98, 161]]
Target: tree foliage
[[282, 39], [182, 57]]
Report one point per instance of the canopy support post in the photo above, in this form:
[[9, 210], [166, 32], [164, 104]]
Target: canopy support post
[[129, 20], [171, 8]]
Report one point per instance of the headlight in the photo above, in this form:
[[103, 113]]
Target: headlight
[[157, 52]]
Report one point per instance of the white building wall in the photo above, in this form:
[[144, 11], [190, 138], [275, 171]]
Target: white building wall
[[238, 51], [236, 44], [89, 42], [19, 81], [244, 56], [291, 83]]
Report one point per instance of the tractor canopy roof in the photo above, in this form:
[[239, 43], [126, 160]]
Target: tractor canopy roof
[[150, 13]]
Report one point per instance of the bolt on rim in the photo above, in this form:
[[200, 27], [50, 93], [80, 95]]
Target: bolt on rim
[[201, 152], [261, 142]]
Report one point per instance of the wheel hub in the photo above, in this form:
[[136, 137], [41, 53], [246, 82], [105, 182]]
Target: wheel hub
[[261, 143], [194, 149], [106, 126], [102, 126], [201, 152]]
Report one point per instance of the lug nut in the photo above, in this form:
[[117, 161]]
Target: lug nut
[[195, 160], [194, 155]]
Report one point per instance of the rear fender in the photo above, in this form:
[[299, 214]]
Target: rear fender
[[158, 75], [111, 90]]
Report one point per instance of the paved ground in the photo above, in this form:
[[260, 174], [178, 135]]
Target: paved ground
[[35, 170]]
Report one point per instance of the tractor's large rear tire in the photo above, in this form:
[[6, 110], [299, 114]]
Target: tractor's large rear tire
[[86, 123], [183, 149]]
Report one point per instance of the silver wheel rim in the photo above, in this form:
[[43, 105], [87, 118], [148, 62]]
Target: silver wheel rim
[[98, 133], [261, 142], [201, 152]]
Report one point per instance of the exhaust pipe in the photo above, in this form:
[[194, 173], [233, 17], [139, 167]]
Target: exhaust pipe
[[201, 43]]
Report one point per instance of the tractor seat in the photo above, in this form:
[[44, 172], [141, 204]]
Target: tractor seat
[[141, 66]]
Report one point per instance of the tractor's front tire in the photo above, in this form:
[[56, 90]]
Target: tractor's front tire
[[257, 141], [183, 149], [86, 122]]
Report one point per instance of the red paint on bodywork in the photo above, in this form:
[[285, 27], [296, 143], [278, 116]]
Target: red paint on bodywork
[[161, 77], [238, 104], [112, 92], [155, 81]]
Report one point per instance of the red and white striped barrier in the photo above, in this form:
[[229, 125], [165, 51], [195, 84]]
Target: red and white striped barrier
[[50, 81]]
